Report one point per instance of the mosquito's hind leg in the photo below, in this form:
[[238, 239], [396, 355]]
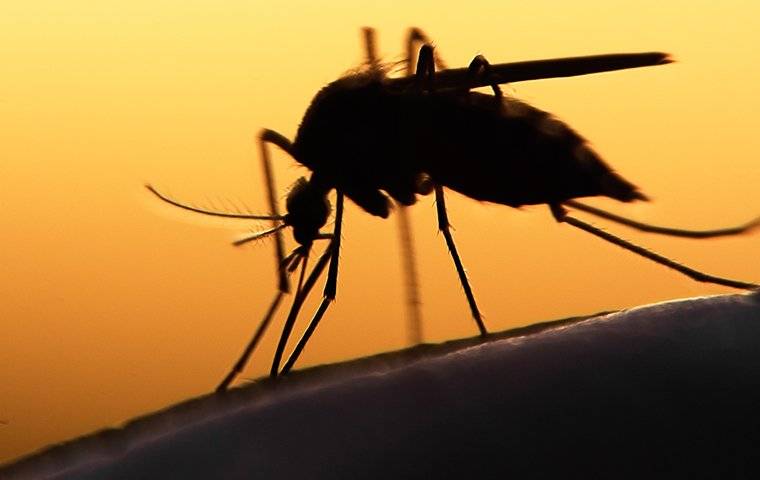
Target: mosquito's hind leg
[[560, 214], [673, 232]]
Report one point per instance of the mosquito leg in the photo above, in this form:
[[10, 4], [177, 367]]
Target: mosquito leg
[[424, 78], [406, 241], [414, 38], [330, 287], [561, 216], [306, 335], [270, 136], [289, 264], [295, 308], [426, 62], [425, 74], [243, 360], [479, 70], [673, 232], [444, 227], [305, 262], [405, 233], [370, 48]]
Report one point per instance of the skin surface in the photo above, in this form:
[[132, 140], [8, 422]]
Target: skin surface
[[666, 389]]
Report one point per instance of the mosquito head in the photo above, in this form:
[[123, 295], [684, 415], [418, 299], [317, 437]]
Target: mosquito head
[[308, 209]]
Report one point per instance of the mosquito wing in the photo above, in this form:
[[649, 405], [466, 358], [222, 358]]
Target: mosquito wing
[[539, 69]]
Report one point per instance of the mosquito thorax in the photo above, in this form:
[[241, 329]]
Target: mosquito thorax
[[349, 119], [358, 136], [307, 210]]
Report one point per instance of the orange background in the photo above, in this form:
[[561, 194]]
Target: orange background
[[113, 304]]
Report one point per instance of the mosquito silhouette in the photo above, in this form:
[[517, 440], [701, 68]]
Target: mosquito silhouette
[[369, 137]]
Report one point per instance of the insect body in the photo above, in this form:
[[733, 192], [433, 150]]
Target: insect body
[[363, 138], [368, 137]]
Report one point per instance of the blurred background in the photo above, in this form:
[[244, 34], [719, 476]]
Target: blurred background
[[113, 304]]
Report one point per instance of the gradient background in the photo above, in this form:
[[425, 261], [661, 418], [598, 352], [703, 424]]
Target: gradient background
[[113, 304]]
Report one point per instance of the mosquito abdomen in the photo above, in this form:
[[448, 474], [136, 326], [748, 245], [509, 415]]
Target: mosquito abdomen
[[510, 153]]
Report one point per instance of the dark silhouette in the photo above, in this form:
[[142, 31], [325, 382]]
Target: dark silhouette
[[371, 137]]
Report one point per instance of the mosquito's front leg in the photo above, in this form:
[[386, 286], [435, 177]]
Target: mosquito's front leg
[[252, 344], [266, 136], [288, 265], [332, 254], [270, 136], [295, 308], [330, 287]]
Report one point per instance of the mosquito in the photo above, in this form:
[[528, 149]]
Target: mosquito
[[373, 138]]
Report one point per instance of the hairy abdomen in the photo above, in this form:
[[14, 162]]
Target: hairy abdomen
[[512, 154]]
